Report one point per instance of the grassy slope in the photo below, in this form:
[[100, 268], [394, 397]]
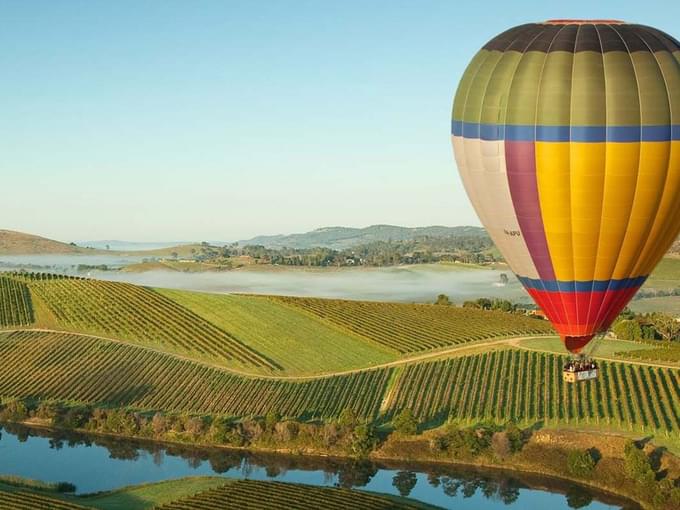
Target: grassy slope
[[414, 328], [66, 367], [19, 498], [298, 342], [18, 243], [666, 304], [666, 274], [605, 347], [142, 497]]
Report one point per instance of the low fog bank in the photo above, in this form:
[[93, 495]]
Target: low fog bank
[[411, 284]]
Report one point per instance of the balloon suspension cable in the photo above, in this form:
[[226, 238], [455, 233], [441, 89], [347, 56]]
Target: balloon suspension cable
[[591, 348]]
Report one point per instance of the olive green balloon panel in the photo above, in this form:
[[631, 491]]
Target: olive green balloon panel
[[567, 138]]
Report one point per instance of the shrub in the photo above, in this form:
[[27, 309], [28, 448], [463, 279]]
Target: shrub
[[363, 439], [406, 423], [637, 464], [580, 463]]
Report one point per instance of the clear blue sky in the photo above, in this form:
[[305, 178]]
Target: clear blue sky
[[190, 120]]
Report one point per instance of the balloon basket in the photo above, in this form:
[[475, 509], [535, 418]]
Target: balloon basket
[[579, 369]]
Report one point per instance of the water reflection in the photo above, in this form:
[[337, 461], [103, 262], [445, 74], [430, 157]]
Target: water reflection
[[103, 463]]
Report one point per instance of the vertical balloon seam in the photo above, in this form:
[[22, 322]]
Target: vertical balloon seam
[[518, 182], [480, 204], [643, 265], [522, 246], [464, 156], [615, 304], [559, 294], [471, 184], [668, 161], [594, 319], [563, 291]]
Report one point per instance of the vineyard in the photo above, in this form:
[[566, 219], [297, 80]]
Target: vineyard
[[410, 328], [24, 500], [663, 354], [16, 308], [139, 315], [300, 343], [78, 368], [527, 386], [256, 495]]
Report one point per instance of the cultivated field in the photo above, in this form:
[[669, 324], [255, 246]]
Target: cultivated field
[[300, 344], [527, 387], [12, 498], [415, 328], [140, 315], [258, 495], [16, 308], [91, 370]]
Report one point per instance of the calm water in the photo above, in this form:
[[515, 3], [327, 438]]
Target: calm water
[[404, 283], [95, 464]]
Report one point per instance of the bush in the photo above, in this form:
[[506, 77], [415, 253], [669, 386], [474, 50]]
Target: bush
[[364, 439], [637, 464], [14, 410], [406, 423], [580, 463]]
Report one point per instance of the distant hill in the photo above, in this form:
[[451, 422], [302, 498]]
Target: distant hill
[[18, 243], [127, 246], [346, 237]]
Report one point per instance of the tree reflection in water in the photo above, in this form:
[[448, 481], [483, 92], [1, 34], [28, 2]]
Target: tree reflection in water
[[455, 482]]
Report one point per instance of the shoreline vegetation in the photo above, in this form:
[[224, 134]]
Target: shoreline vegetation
[[533, 451]]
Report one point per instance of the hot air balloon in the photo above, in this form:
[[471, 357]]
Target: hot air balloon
[[566, 134]]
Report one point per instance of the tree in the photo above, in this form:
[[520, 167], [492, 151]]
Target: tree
[[347, 418], [271, 419], [363, 439], [627, 329], [404, 482], [667, 327], [406, 423], [637, 464], [580, 463], [443, 299]]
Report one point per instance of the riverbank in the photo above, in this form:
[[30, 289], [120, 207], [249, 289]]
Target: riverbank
[[96, 463], [544, 454]]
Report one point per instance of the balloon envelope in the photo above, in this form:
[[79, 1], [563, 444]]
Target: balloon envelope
[[567, 137]]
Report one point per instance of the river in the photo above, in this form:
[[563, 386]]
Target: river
[[101, 463]]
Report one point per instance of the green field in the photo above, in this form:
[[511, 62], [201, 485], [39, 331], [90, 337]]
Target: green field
[[19, 498], [76, 368], [501, 385], [527, 387], [299, 343], [665, 304], [604, 347], [16, 308], [666, 275], [199, 493], [140, 315], [151, 495], [258, 495], [416, 328]]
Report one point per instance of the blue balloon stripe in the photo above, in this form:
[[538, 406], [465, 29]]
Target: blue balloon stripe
[[580, 285], [593, 134]]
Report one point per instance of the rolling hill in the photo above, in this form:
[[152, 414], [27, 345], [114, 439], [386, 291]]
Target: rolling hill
[[19, 243], [346, 237]]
